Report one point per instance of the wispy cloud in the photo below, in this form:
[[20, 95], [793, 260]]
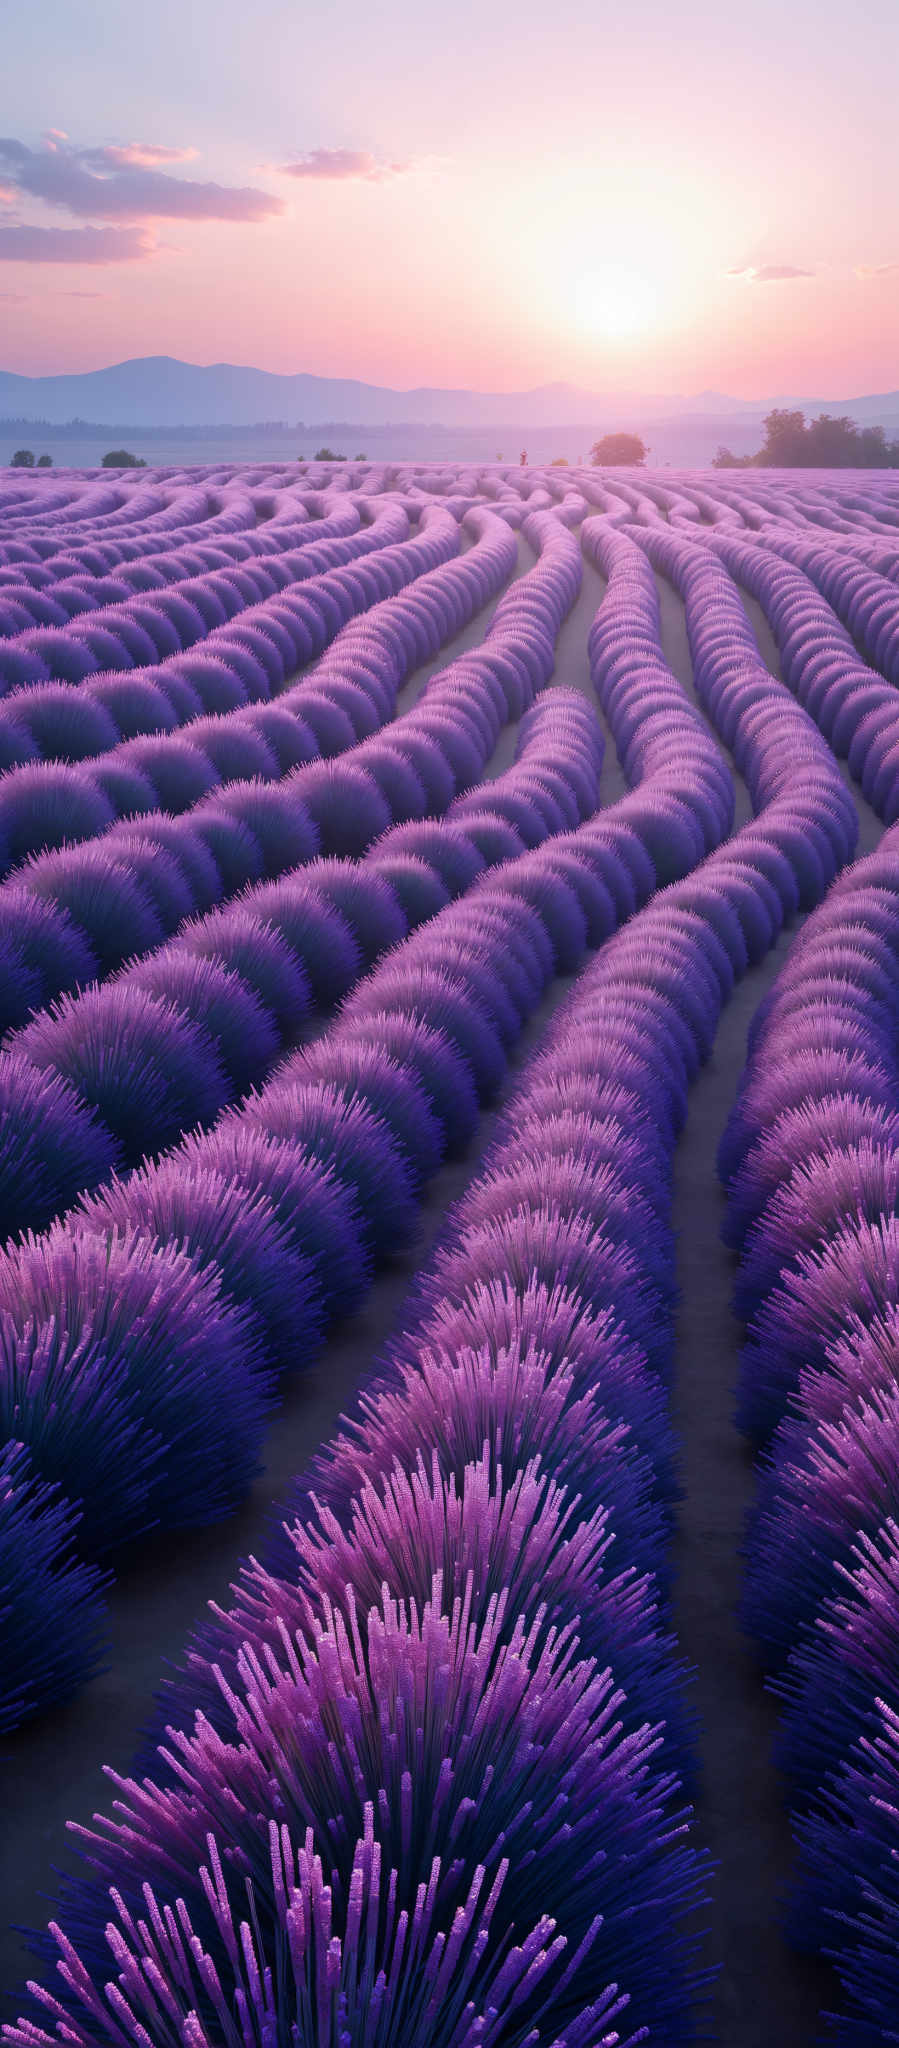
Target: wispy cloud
[[769, 273], [344, 164], [21, 244], [777, 273], [104, 184], [146, 153], [876, 269]]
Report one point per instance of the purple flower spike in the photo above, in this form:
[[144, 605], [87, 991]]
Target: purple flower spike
[[241, 1240], [46, 804], [103, 896], [350, 1141], [368, 1075], [833, 1475], [837, 1674], [51, 1610], [52, 1144], [222, 1005], [417, 886], [348, 1968], [121, 1367], [144, 1068], [254, 949], [850, 1849], [541, 1779], [310, 1184], [442, 1001]]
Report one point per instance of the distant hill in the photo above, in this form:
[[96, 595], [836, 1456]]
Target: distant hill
[[161, 392]]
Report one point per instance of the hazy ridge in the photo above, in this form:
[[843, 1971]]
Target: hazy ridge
[[174, 412], [161, 391]]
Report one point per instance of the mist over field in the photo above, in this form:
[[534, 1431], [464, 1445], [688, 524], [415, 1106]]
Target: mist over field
[[184, 413]]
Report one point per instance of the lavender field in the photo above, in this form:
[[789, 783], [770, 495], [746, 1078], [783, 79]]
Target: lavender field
[[449, 1304]]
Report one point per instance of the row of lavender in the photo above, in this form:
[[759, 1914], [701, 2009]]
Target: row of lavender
[[676, 816], [123, 1070], [66, 918], [127, 890], [809, 1161], [190, 722], [811, 1164], [456, 1043], [499, 1509]]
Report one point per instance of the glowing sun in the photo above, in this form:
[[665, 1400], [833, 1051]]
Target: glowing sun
[[613, 302]]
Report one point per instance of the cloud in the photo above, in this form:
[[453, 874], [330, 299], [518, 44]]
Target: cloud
[[876, 269], [344, 164], [96, 184], [83, 295], [775, 273], [768, 273], [146, 153], [13, 298], [20, 244]]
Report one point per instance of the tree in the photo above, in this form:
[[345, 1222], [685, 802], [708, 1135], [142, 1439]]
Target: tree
[[875, 451], [724, 459], [831, 442], [45, 462], [619, 451], [328, 455], [559, 462], [23, 459], [360, 458], [121, 458], [784, 440]]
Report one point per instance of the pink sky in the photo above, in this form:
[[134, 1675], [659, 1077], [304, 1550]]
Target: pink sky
[[654, 199]]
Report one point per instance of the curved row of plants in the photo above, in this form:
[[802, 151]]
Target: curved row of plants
[[471, 1587], [257, 633], [117, 1073], [810, 1161], [69, 915], [326, 1183]]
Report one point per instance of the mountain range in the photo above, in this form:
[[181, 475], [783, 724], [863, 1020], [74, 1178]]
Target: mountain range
[[156, 392]]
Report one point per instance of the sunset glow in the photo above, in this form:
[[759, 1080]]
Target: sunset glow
[[613, 303], [561, 194]]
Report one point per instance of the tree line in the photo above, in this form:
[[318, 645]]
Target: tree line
[[832, 441], [117, 458]]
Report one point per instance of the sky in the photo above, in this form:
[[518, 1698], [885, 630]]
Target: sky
[[628, 197]]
